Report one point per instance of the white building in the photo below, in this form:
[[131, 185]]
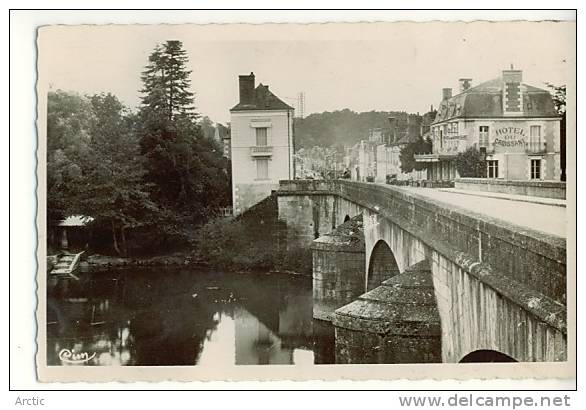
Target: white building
[[261, 144]]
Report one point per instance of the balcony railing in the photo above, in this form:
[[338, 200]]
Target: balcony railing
[[536, 147], [261, 151]]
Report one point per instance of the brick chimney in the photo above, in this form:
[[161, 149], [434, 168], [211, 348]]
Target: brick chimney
[[446, 93], [512, 98], [246, 83], [465, 83]]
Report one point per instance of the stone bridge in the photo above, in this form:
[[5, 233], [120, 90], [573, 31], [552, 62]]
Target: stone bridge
[[404, 278]]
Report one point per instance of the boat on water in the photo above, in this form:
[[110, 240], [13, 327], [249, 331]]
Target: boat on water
[[64, 265]]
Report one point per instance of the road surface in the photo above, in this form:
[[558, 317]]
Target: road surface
[[550, 219]]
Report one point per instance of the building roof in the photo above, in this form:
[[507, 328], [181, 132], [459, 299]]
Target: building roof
[[76, 220], [264, 100], [486, 101]]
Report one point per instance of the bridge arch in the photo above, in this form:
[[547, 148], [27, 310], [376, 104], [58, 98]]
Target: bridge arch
[[382, 265], [486, 356], [346, 218]]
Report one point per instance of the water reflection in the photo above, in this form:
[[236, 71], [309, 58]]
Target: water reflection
[[184, 317]]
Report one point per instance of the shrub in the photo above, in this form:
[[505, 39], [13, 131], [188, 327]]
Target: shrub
[[239, 245], [471, 164]]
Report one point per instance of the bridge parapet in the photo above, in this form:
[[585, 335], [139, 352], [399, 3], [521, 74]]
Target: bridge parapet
[[535, 259], [309, 186], [498, 286]]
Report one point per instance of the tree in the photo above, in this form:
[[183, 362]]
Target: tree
[[407, 155], [344, 127], [112, 188], [207, 127], [471, 164], [166, 84], [186, 170], [94, 166], [559, 101], [558, 94], [69, 120]]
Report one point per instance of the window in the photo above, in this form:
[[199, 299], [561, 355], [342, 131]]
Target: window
[[455, 128], [493, 168], [535, 137], [262, 168], [535, 169], [261, 137], [483, 136], [535, 132]]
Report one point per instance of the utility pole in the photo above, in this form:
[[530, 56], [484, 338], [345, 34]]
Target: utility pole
[[301, 104], [393, 127]]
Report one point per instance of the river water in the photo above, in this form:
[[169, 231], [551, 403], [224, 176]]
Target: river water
[[167, 316]]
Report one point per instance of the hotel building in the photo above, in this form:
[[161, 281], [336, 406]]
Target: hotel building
[[513, 123]]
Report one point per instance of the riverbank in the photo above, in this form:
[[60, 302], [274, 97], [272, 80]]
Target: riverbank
[[100, 262], [97, 262], [254, 241]]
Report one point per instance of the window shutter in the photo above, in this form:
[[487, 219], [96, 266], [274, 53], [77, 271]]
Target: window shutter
[[270, 136]]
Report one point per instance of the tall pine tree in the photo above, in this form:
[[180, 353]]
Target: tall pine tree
[[187, 172], [166, 87]]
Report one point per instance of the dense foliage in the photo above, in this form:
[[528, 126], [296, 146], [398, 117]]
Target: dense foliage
[[188, 174], [471, 164], [69, 119], [558, 94], [152, 175], [343, 127], [257, 248], [407, 155], [559, 100]]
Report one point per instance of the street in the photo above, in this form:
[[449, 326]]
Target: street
[[544, 218]]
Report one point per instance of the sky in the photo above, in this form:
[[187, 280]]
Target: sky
[[360, 66]]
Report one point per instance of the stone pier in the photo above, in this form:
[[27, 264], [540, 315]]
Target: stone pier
[[338, 268], [397, 322]]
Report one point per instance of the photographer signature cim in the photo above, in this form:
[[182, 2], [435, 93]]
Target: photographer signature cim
[[71, 356]]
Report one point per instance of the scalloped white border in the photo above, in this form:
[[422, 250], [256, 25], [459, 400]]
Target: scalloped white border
[[21, 284]]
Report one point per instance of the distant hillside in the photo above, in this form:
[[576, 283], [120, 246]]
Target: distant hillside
[[343, 127]]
